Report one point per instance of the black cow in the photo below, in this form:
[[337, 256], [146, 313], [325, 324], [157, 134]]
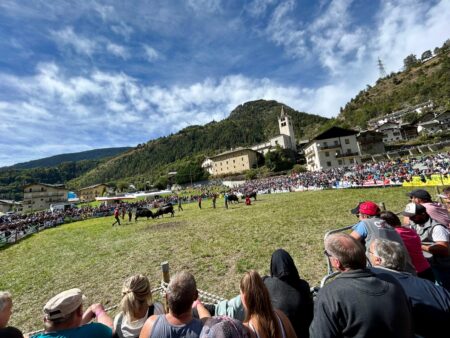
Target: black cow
[[166, 209], [233, 198], [250, 194], [143, 212]]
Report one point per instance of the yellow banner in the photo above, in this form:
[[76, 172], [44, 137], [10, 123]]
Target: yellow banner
[[436, 180]]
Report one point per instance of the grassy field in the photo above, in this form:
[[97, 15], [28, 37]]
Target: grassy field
[[216, 245]]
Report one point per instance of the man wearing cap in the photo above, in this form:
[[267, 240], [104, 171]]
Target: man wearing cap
[[371, 226], [434, 209], [64, 318], [435, 240]]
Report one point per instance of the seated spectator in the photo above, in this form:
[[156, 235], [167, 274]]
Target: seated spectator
[[64, 318], [136, 306], [5, 313], [232, 308], [224, 327], [289, 293], [181, 297], [434, 209], [260, 317], [357, 303], [413, 245], [430, 302], [435, 239]]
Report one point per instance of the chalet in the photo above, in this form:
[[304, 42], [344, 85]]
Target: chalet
[[89, 194], [234, 161], [39, 196]]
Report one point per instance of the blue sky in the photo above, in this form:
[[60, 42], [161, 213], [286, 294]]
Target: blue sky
[[80, 75]]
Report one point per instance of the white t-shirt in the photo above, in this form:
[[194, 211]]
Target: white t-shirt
[[440, 234], [132, 329]]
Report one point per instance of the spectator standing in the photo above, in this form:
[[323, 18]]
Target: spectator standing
[[413, 245], [124, 211], [180, 207], [430, 302], [289, 293], [6, 305], [435, 240], [116, 216], [130, 214], [64, 318], [200, 201], [357, 303], [214, 197], [226, 200], [181, 297], [136, 306]]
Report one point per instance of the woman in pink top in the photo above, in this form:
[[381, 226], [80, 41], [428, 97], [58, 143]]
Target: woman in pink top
[[412, 243]]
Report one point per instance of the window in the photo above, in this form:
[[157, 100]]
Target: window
[[347, 141], [328, 164], [31, 190], [340, 162], [227, 162], [325, 144], [336, 142], [234, 161], [338, 152], [283, 124], [349, 151], [327, 154]]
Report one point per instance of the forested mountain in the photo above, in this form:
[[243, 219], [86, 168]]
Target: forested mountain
[[248, 124], [55, 169], [53, 161], [423, 79]]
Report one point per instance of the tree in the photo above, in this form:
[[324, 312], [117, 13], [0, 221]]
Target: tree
[[426, 55], [280, 159], [410, 61]]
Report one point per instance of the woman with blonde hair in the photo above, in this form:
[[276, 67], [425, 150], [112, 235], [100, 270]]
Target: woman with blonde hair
[[136, 306], [260, 317]]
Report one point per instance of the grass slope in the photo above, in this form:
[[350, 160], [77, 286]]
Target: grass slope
[[217, 245]]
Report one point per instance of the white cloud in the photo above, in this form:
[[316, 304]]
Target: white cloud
[[151, 53], [259, 7], [208, 6], [67, 37], [117, 50], [123, 30]]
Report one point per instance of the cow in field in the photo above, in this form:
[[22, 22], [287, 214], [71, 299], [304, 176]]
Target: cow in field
[[233, 198], [143, 212], [166, 209], [250, 194]]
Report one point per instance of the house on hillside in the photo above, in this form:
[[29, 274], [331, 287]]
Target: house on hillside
[[435, 124], [335, 147], [370, 142], [391, 132], [234, 161], [89, 194], [285, 139], [39, 196], [8, 205]]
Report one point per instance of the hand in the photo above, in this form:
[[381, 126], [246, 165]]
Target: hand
[[196, 302]]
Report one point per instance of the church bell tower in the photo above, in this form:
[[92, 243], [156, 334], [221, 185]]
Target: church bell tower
[[287, 128]]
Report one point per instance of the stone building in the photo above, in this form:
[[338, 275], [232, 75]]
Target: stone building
[[234, 161], [39, 196], [89, 194]]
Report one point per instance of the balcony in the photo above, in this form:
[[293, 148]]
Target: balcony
[[328, 147], [353, 154]]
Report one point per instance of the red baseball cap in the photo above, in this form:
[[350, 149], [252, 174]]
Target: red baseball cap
[[369, 208]]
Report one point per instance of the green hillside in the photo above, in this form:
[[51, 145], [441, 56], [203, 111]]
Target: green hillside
[[419, 82], [248, 124], [53, 161]]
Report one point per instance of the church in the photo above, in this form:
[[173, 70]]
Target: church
[[241, 159]]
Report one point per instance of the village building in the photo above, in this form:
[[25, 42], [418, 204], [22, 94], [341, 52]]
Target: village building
[[391, 132], [242, 159], [39, 196], [335, 147], [285, 139], [9, 206], [435, 124], [370, 142], [89, 194], [234, 161]]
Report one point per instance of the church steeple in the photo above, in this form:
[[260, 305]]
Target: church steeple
[[286, 127]]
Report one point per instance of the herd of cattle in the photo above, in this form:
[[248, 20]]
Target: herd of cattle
[[168, 208]]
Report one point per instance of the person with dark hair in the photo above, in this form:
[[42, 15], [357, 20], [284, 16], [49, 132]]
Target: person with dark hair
[[434, 209], [224, 327], [430, 302], [260, 317], [116, 216], [289, 293], [435, 238], [413, 245], [181, 298], [357, 303]]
